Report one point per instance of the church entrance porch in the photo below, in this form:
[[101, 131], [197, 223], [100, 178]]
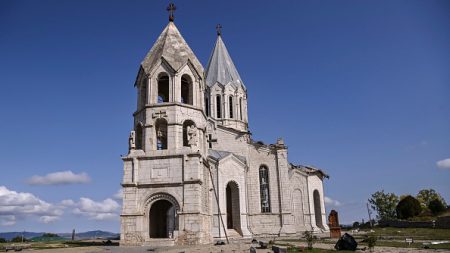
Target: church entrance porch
[[233, 207], [162, 219]]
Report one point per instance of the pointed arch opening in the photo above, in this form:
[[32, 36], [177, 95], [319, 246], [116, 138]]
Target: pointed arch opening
[[161, 134], [240, 108], [143, 92], [264, 189], [139, 136], [218, 107], [163, 88], [186, 90], [317, 209], [189, 134], [233, 206], [207, 106], [230, 104]]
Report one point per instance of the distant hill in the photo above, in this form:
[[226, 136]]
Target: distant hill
[[28, 235], [78, 236]]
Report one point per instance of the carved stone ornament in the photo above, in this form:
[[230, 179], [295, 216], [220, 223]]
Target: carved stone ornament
[[192, 135], [132, 140]]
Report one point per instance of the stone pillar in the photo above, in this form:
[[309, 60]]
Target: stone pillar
[[287, 220]]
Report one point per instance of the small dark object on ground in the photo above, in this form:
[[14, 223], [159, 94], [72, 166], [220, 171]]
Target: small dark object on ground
[[263, 245], [108, 243], [254, 241], [220, 242], [252, 250], [278, 249], [346, 242], [151, 249]]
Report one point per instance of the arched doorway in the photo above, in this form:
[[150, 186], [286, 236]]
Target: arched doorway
[[162, 219], [233, 207], [317, 209]]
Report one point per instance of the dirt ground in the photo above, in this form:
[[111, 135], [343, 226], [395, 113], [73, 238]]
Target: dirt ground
[[230, 248]]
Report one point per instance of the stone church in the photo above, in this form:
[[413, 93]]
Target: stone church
[[193, 173]]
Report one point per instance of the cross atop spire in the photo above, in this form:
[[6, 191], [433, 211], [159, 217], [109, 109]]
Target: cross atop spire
[[219, 29], [171, 9]]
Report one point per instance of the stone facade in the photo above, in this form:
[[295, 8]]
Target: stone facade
[[193, 173]]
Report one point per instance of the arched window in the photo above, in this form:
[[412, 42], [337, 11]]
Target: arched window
[[230, 102], [264, 189], [317, 208], [161, 134], [187, 134], [218, 107], [139, 136], [143, 93], [163, 88], [240, 108], [186, 90], [207, 106]]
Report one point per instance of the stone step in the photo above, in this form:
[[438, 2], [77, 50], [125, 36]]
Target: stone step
[[233, 234], [163, 242]]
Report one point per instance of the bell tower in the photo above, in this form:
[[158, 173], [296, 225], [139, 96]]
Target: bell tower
[[226, 96], [165, 181]]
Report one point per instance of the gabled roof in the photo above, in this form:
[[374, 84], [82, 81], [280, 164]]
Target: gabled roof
[[221, 68], [171, 46], [219, 155]]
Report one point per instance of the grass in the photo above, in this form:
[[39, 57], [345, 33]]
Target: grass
[[415, 233], [316, 251]]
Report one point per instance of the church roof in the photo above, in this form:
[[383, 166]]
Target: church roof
[[221, 68], [171, 46], [219, 155], [308, 169]]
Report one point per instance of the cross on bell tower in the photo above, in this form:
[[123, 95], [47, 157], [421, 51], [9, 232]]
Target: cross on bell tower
[[219, 29], [171, 9]]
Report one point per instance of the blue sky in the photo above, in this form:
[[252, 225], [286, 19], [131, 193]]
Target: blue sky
[[358, 88]]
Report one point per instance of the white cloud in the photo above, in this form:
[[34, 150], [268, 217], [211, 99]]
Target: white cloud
[[68, 203], [22, 204], [444, 164], [60, 178], [48, 219], [331, 202], [7, 220], [107, 209], [119, 194]]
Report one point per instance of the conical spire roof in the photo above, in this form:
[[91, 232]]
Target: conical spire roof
[[221, 68], [171, 46]]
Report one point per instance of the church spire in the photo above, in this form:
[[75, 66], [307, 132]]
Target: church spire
[[220, 66]]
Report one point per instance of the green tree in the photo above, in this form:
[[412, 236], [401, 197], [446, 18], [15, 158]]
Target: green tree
[[18, 239], [2, 240], [425, 196], [384, 204], [408, 208], [436, 206]]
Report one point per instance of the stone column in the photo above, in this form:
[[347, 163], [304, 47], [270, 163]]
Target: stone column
[[287, 219]]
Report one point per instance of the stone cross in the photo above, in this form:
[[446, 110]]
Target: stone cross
[[159, 114], [211, 140]]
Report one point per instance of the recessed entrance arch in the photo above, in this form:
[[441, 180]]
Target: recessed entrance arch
[[162, 215], [162, 219], [317, 209], [233, 207]]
